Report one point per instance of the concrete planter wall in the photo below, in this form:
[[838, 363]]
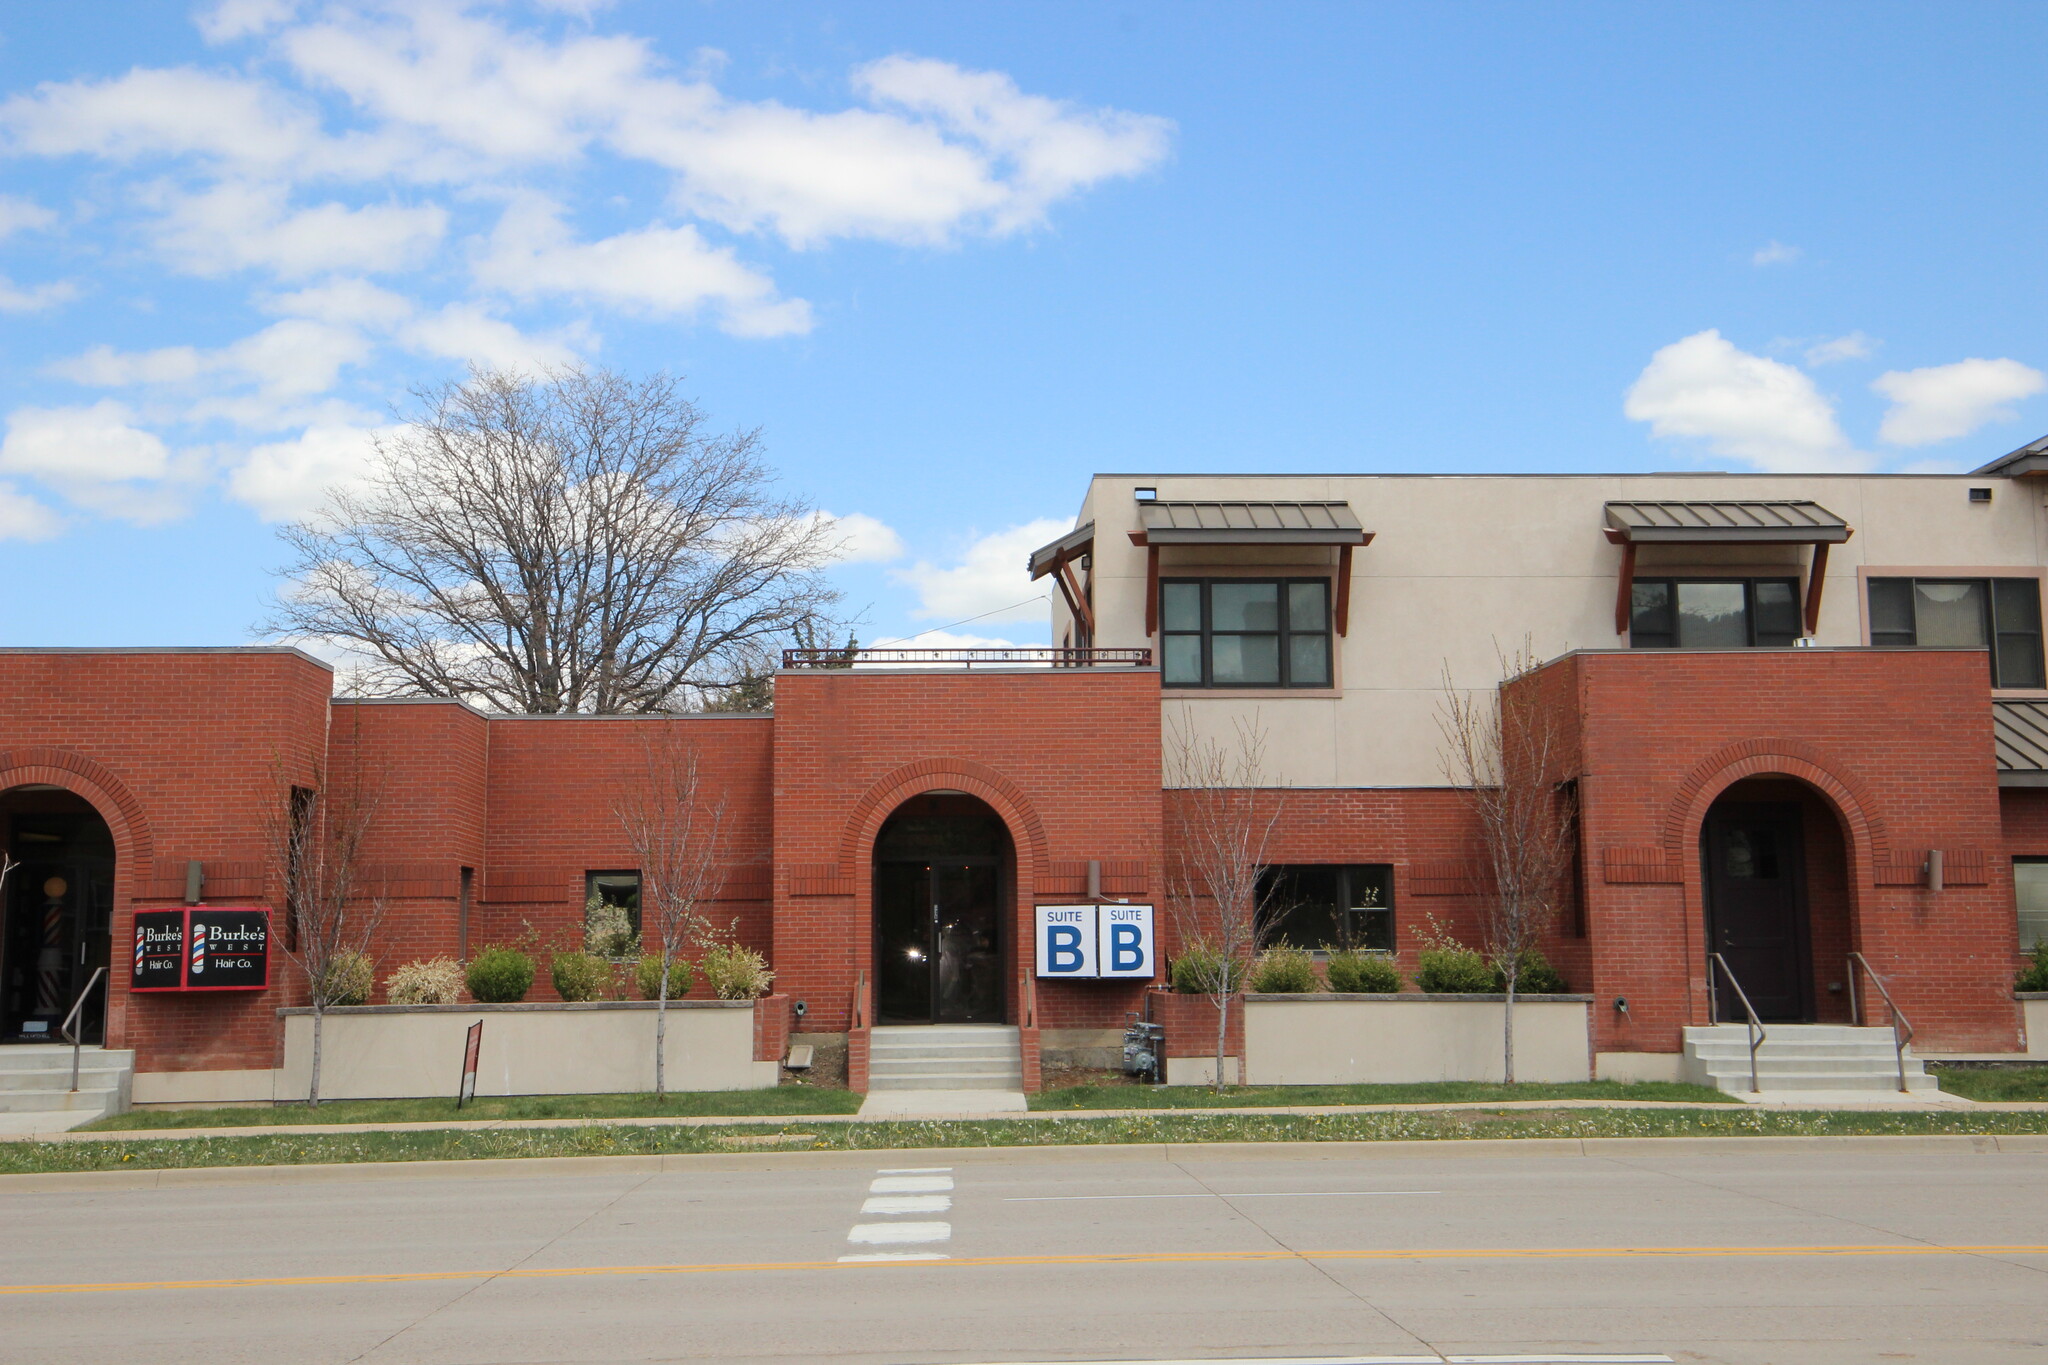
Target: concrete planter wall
[[2034, 1004], [1359, 1039], [405, 1051]]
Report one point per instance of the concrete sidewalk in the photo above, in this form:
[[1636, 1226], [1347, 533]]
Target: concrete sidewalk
[[1949, 1104]]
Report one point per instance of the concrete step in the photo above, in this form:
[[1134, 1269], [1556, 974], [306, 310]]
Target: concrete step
[[1003, 1067], [1852, 1081], [1833, 1058], [40, 1056], [982, 1057], [60, 1099], [946, 1081], [61, 1076], [36, 1078], [978, 1052]]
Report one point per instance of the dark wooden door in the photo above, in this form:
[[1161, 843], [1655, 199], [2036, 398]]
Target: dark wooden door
[[1756, 909]]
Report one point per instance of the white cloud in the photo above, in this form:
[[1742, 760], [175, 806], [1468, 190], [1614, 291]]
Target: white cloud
[[98, 442], [286, 480], [343, 302], [466, 332], [1743, 406], [19, 215], [942, 639], [23, 518], [232, 19], [990, 580], [34, 298], [239, 225], [1775, 253], [863, 539], [658, 270], [293, 358], [169, 111], [1854, 346], [1943, 402]]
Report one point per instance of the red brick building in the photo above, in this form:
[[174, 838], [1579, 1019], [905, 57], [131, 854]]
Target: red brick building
[[1786, 744]]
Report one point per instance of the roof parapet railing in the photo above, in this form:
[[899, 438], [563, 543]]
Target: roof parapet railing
[[1755, 1025], [1900, 1041], [1039, 657]]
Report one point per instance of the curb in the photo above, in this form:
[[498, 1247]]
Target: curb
[[498, 1168]]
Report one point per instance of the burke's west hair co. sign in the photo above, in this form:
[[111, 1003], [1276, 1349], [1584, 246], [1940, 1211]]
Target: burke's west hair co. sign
[[204, 948]]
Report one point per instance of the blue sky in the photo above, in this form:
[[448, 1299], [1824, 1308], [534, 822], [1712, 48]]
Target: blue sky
[[955, 257]]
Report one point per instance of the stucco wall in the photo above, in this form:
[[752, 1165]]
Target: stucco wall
[[1363, 1039]]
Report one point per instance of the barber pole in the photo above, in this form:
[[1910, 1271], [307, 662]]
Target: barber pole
[[198, 948]]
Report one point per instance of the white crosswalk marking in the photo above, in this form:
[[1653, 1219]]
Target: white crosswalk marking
[[882, 1234], [911, 1184], [897, 1192], [907, 1203]]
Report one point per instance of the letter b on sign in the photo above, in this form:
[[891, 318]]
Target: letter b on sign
[[1127, 944], [1066, 941]]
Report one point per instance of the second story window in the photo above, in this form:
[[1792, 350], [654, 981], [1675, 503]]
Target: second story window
[[2002, 615], [1728, 613], [1244, 632]]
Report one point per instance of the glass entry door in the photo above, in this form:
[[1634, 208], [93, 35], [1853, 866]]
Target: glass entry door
[[1756, 909], [938, 948], [55, 931]]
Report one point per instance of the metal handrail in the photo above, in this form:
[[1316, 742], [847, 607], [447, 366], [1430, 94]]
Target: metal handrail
[[1755, 1025], [65, 1029], [1899, 1044], [860, 999], [1042, 656]]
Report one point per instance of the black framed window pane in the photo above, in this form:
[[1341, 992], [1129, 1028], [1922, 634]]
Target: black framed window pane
[[1308, 606], [1373, 930], [1244, 606], [1891, 611], [1650, 623], [1183, 661], [2030, 887], [1777, 611], [1949, 614], [1308, 660], [1244, 660], [1712, 616], [2016, 612], [1180, 606]]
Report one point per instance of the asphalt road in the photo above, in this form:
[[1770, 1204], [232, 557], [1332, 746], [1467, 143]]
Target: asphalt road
[[1829, 1255]]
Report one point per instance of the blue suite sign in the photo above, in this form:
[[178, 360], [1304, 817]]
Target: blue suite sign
[[1096, 942]]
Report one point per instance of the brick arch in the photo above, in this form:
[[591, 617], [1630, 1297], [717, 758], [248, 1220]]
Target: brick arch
[[1002, 795], [1869, 841], [94, 782]]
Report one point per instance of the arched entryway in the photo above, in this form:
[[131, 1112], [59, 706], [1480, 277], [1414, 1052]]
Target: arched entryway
[[1774, 874], [943, 869], [56, 913]]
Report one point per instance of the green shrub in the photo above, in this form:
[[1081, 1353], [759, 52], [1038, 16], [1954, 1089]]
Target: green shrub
[[350, 977], [500, 976], [1453, 971], [2034, 976], [648, 977], [1284, 970], [736, 973], [1535, 977], [608, 931], [578, 975], [436, 981], [1361, 973], [1201, 970]]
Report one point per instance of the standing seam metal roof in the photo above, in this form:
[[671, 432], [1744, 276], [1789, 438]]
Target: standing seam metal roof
[[2020, 731], [1325, 523], [1797, 520]]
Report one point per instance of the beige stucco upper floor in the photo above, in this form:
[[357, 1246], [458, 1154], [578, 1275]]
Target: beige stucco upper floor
[[1464, 568]]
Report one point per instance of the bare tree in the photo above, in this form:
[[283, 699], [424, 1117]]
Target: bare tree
[[1506, 751], [1220, 818], [567, 541], [315, 836], [675, 825]]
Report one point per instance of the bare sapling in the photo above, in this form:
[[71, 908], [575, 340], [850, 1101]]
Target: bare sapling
[[1221, 813], [674, 820], [1507, 752]]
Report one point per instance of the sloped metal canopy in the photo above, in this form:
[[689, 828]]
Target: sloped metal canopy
[[1736, 522], [1075, 543], [2029, 459], [2019, 731], [1250, 523]]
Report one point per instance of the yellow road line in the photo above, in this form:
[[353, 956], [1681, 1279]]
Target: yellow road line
[[1107, 1258]]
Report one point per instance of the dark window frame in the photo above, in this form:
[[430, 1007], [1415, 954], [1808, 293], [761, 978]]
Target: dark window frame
[[2019, 913], [2007, 659], [1353, 931], [1283, 636], [1749, 584]]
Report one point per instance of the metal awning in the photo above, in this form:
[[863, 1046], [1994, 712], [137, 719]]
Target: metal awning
[[1250, 523], [1071, 546], [2019, 731], [1795, 522], [2029, 461], [1714, 523]]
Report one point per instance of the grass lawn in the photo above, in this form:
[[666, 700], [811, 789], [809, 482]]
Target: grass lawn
[[1437, 1092], [783, 1099], [281, 1149], [1994, 1082]]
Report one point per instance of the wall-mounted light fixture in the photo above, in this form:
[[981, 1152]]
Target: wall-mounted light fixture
[[1933, 869]]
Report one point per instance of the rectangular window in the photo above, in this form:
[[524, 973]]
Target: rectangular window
[[1329, 906], [614, 888], [2001, 615], [2030, 885], [1235, 632], [1732, 613]]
